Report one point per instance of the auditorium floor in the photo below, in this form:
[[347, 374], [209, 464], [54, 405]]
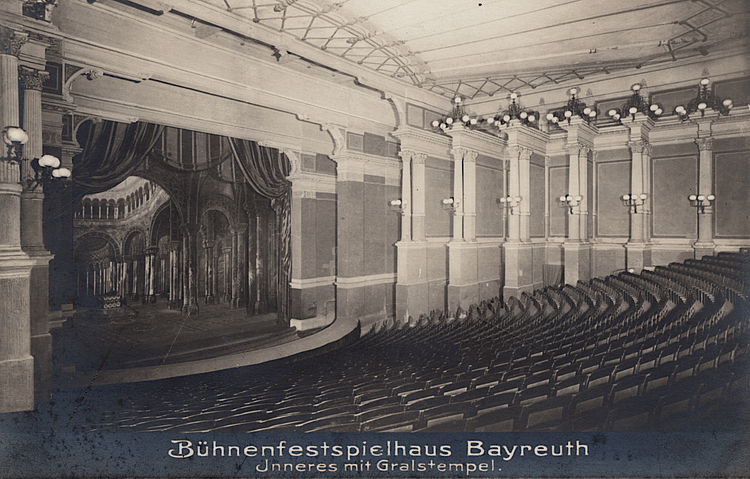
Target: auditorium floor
[[153, 335]]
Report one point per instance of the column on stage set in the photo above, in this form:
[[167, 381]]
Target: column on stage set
[[190, 273], [208, 293]]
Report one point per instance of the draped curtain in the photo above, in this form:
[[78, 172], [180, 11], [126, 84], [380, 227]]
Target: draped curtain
[[266, 169], [111, 152]]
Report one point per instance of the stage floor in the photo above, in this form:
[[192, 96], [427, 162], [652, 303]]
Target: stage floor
[[146, 335]]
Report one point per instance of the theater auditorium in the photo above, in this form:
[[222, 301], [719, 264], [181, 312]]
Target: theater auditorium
[[358, 216]]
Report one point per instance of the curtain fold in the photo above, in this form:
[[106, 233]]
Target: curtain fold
[[111, 152], [266, 169]]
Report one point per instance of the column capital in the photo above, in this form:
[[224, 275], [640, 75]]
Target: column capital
[[639, 146], [208, 244], [240, 228], [464, 154], [419, 158], [520, 152], [32, 79], [578, 147], [705, 144], [11, 41]]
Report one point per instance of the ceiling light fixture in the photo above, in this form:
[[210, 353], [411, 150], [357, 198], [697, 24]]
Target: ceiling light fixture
[[574, 107], [634, 105], [704, 101]]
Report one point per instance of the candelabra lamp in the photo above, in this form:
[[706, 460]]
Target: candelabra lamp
[[704, 101], [634, 201], [398, 205], [457, 116], [450, 204], [701, 201], [574, 107], [515, 111], [570, 201], [635, 104], [510, 202], [46, 169]]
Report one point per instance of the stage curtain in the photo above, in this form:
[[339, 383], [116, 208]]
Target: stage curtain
[[265, 169], [111, 152]]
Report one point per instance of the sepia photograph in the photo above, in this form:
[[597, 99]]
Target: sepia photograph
[[374, 238]]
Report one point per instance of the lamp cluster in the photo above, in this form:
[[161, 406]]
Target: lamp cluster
[[634, 201], [701, 201], [570, 201], [634, 105], [45, 168], [514, 112], [704, 101], [574, 107], [510, 202], [457, 116]]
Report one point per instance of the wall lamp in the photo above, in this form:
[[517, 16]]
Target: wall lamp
[[634, 201], [701, 201], [14, 137], [450, 204], [636, 103], [570, 202], [703, 101], [398, 205], [573, 107], [510, 202]]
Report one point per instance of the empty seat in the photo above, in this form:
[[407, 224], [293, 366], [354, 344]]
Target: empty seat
[[498, 420], [403, 421], [547, 415]]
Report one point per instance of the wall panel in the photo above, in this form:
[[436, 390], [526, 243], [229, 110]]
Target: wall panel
[[439, 178], [674, 179], [732, 190], [613, 181], [536, 202], [489, 190], [558, 186]]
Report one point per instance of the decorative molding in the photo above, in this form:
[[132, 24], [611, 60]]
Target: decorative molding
[[637, 146], [310, 283], [307, 184], [352, 166], [337, 134], [362, 281], [480, 142]]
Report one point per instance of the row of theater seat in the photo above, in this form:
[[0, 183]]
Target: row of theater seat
[[663, 350]]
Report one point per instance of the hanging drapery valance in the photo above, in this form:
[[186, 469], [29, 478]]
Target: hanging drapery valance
[[266, 169], [189, 150], [111, 152]]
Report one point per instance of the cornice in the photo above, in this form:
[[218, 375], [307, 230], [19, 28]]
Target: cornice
[[526, 137], [353, 166], [483, 143], [423, 141]]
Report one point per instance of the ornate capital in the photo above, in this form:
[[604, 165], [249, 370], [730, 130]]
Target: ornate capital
[[639, 146], [33, 79], [11, 41], [406, 155], [464, 154], [419, 158], [705, 144], [578, 148], [470, 156]]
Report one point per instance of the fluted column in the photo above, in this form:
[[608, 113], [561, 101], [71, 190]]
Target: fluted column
[[406, 210], [636, 188], [16, 361], [470, 195], [190, 264], [705, 244], [458, 193]]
